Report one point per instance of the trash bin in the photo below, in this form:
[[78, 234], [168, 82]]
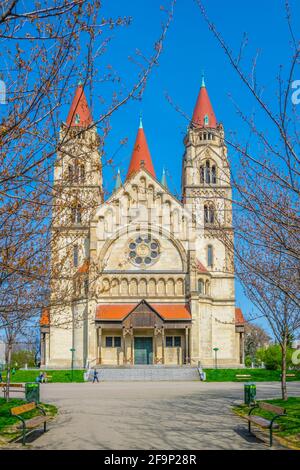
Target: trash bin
[[32, 392], [249, 393]]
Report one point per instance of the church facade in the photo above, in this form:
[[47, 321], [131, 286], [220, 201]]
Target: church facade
[[142, 277]]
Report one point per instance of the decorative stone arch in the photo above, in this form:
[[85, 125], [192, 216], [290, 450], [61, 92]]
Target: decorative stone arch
[[161, 287], [142, 287], [115, 286], [155, 231], [105, 286], [170, 287], [133, 287], [179, 287], [152, 287], [124, 287]]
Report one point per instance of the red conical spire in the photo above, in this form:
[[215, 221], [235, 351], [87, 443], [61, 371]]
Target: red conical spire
[[141, 157], [204, 115], [79, 114]]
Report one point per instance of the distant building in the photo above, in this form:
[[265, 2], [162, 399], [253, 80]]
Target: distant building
[[296, 344]]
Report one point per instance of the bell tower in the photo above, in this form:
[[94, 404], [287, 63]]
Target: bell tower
[[206, 184], [77, 192]]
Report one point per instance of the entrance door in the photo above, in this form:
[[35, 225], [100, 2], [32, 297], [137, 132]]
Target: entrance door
[[143, 350]]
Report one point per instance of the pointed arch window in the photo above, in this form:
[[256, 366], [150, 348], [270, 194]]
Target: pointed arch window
[[213, 174], [76, 214], [208, 173], [75, 255], [206, 120], [202, 174], [70, 173], [77, 118], [200, 286], [209, 214], [210, 256], [80, 172]]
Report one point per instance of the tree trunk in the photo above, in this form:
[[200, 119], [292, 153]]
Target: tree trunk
[[283, 369], [9, 351]]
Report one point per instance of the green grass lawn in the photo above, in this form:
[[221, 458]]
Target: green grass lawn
[[289, 428], [8, 429], [57, 375], [257, 375]]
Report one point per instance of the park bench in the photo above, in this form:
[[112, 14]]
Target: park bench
[[243, 376], [264, 423], [28, 425], [289, 375], [13, 387]]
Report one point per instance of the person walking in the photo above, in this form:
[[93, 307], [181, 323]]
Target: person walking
[[95, 377]]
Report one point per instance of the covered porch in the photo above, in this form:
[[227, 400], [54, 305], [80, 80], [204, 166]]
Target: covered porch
[[141, 334]]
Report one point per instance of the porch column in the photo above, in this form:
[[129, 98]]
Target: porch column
[[163, 344], [131, 344], [242, 349], [190, 346], [124, 347], [99, 344], [155, 344], [186, 344], [43, 347]]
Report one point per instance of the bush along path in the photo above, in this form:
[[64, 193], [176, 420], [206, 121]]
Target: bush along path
[[9, 430], [288, 433]]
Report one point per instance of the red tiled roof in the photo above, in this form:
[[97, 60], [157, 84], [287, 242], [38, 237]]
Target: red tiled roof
[[45, 317], [79, 114], [200, 267], [117, 312], [204, 108], [141, 157], [239, 317]]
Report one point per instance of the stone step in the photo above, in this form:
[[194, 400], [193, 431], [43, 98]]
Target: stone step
[[145, 373]]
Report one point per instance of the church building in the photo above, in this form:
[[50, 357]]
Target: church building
[[142, 277]]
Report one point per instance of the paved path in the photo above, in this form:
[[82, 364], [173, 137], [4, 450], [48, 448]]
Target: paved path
[[149, 415]]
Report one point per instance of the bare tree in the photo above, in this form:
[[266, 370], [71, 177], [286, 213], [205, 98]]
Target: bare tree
[[266, 182], [44, 48]]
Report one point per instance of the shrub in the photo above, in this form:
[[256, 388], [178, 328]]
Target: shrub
[[272, 356]]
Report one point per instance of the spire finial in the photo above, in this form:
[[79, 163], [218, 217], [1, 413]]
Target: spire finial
[[164, 178], [141, 121], [203, 80], [118, 180]]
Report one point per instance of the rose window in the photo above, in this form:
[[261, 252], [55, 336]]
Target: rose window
[[143, 250]]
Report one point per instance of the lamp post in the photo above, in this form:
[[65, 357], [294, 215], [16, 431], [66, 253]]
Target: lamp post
[[72, 362], [216, 357]]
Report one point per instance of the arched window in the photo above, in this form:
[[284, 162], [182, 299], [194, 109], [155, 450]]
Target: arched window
[[213, 174], [206, 216], [206, 120], [210, 256], [207, 172], [75, 255], [81, 171], [200, 286], [76, 214], [209, 214], [70, 173], [201, 174]]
